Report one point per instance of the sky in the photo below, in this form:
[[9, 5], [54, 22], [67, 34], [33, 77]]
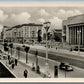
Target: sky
[[11, 16]]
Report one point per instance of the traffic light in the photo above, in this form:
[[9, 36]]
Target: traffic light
[[5, 46], [27, 49], [11, 45]]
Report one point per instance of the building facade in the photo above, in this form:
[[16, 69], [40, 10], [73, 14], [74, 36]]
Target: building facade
[[73, 30], [4, 32], [23, 33]]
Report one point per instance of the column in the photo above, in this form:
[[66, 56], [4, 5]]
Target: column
[[75, 34], [80, 29], [83, 34], [70, 35], [67, 34]]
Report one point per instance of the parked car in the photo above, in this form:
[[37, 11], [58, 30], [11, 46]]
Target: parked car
[[66, 67]]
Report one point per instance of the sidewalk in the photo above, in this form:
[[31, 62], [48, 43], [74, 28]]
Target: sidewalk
[[19, 70]]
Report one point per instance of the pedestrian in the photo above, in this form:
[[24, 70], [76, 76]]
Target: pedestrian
[[8, 57], [49, 75], [44, 76], [12, 61], [9, 61], [56, 48], [16, 62], [25, 73], [38, 69], [70, 49], [13, 65], [33, 67]]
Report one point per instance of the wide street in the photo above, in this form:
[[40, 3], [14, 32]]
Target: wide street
[[60, 55], [77, 73]]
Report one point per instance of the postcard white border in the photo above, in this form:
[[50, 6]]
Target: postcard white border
[[42, 4]]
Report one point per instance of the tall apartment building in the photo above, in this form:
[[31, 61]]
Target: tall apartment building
[[24, 32]]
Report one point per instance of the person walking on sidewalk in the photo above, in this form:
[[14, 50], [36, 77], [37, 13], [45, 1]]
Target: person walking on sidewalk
[[8, 57], [12, 62], [13, 65], [25, 73], [16, 62], [56, 48], [38, 69], [33, 67]]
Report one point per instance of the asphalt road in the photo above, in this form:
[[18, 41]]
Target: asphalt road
[[57, 57], [77, 73]]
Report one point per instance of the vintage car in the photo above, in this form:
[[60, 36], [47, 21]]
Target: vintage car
[[66, 67]]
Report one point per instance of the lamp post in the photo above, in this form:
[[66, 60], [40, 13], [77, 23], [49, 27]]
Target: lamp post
[[47, 26], [79, 33]]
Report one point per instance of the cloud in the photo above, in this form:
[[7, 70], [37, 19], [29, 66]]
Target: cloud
[[43, 12], [3, 16], [56, 22], [21, 18], [41, 20], [67, 13]]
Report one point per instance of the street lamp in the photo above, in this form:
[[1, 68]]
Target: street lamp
[[79, 33], [47, 26]]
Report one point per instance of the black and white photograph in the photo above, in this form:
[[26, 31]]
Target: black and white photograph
[[42, 41]]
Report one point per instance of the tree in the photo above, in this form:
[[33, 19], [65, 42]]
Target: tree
[[56, 37]]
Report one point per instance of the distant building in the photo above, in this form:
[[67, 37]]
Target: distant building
[[71, 26], [3, 33], [55, 35], [23, 33]]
